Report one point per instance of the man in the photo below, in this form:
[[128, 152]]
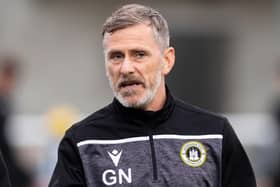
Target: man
[[4, 176], [146, 137], [9, 69]]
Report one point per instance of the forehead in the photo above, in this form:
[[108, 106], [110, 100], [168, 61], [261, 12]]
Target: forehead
[[139, 36]]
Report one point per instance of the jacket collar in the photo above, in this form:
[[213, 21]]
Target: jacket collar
[[142, 117]]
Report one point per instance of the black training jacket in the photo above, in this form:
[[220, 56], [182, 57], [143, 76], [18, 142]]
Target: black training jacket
[[178, 146]]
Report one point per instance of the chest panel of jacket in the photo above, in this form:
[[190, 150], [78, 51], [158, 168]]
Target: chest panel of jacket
[[182, 161]]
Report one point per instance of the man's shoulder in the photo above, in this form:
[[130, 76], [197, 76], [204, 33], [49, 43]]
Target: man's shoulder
[[187, 107], [100, 116], [195, 113]]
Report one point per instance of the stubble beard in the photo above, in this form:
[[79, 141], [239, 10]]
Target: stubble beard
[[148, 96]]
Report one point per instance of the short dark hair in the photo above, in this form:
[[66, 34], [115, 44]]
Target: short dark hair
[[133, 14]]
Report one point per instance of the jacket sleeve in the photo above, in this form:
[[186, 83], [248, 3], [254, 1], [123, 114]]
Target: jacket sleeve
[[4, 177], [68, 171], [236, 167]]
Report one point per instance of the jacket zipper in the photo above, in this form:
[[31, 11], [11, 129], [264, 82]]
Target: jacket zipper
[[154, 161]]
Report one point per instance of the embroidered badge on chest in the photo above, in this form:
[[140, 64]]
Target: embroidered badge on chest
[[193, 153]]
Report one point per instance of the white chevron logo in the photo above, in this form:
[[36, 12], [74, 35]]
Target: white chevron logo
[[115, 155]]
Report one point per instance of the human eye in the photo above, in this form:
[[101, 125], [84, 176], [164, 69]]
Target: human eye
[[116, 56], [139, 54]]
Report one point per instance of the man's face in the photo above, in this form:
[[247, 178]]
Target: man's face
[[134, 64]]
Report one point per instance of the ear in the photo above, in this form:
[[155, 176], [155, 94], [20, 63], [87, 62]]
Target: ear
[[169, 60]]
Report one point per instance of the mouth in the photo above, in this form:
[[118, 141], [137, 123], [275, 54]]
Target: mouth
[[130, 83]]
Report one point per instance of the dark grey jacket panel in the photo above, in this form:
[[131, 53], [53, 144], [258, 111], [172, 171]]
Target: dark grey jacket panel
[[136, 156]]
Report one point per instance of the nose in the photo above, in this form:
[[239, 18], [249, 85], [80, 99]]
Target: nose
[[127, 67]]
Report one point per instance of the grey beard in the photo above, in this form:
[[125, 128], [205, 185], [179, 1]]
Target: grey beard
[[145, 100]]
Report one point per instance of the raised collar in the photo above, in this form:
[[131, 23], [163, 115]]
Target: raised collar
[[142, 117]]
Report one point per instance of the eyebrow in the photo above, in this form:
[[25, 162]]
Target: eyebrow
[[139, 49], [109, 52]]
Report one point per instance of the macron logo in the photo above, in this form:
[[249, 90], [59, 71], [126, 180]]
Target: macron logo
[[115, 155], [119, 176]]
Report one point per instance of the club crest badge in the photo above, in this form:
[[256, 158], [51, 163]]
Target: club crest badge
[[193, 153]]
